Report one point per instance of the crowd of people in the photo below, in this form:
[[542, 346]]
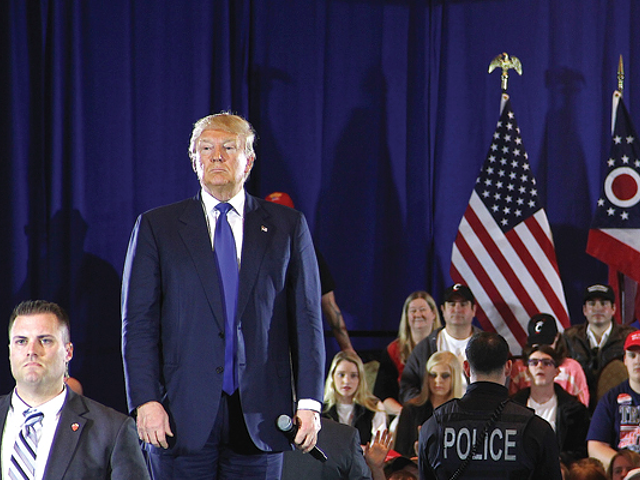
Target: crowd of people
[[222, 302], [437, 400]]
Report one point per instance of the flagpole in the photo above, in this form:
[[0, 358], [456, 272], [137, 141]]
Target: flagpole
[[617, 96]]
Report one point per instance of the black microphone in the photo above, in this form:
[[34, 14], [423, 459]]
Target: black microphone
[[286, 426]]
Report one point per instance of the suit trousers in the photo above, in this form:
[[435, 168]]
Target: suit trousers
[[229, 453]]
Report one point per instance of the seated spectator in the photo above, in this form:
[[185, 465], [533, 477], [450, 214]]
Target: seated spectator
[[347, 399], [587, 469], [543, 330], [616, 422], [443, 382], [567, 416], [622, 463], [598, 341], [458, 309], [419, 318], [345, 458]]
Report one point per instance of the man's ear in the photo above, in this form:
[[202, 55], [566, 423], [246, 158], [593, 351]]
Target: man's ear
[[69, 352], [507, 368], [467, 368]]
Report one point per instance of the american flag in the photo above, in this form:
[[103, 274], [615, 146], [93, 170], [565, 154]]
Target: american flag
[[504, 249], [614, 237]]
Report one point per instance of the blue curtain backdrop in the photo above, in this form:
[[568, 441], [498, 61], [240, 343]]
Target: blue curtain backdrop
[[375, 116]]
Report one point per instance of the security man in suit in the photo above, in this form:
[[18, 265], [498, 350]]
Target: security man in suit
[[222, 329], [48, 431], [485, 434]]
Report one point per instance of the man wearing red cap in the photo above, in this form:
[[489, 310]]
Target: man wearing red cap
[[616, 421]]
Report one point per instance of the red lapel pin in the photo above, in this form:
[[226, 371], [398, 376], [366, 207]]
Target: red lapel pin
[[75, 426]]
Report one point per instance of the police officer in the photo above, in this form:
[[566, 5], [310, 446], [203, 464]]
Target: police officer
[[485, 434]]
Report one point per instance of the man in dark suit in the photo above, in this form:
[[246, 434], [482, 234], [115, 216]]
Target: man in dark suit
[[72, 436], [208, 373], [345, 459]]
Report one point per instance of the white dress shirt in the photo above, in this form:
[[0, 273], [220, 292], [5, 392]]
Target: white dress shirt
[[15, 420], [235, 217], [593, 342]]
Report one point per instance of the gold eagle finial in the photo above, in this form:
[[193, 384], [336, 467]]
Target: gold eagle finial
[[505, 62]]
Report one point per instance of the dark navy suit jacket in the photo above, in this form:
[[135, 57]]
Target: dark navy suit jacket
[[92, 441], [173, 320]]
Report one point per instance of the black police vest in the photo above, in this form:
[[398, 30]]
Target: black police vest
[[500, 455]]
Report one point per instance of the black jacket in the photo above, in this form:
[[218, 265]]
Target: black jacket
[[362, 420], [593, 361], [572, 423], [413, 373], [411, 417]]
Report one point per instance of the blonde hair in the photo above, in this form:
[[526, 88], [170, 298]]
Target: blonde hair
[[227, 122], [406, 344], [362, 395], [451, 361]]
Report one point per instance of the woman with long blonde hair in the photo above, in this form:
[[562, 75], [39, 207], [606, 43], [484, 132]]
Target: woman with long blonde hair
[[419, 318], [347, 399], [443, 382]]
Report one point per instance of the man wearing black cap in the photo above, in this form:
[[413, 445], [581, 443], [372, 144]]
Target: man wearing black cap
[[458, 309], [600, 340], [543, 330], [616, 422]]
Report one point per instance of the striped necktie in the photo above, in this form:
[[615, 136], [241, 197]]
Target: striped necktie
[[224, 248], [23, 458]]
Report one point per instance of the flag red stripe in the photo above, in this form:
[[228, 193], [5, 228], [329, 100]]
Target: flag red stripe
[[558, 308], [615, 253], [542, 237], [490, 288], [501, 262]]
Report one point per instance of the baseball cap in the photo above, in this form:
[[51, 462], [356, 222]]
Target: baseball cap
[[398, 463], [599, 291], [281, 198], [460, 290], [633, 340], [542, 329]]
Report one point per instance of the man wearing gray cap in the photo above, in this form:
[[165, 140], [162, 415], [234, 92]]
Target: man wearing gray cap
[[600, 340]]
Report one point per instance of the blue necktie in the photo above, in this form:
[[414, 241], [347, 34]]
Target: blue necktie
[[224, 248], [23, 458]]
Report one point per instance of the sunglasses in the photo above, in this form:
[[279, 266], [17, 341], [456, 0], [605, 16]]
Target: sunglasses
[[533, 362]]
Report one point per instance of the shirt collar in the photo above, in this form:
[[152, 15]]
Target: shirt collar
[[49, 408], [210, 202], [603, 340]]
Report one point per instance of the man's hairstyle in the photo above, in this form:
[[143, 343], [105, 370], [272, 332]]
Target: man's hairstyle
[[35, 307], [227, 122], [487, 352]]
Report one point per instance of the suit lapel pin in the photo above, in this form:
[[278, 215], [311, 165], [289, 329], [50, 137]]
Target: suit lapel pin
[[75, 426], [264, 229]]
